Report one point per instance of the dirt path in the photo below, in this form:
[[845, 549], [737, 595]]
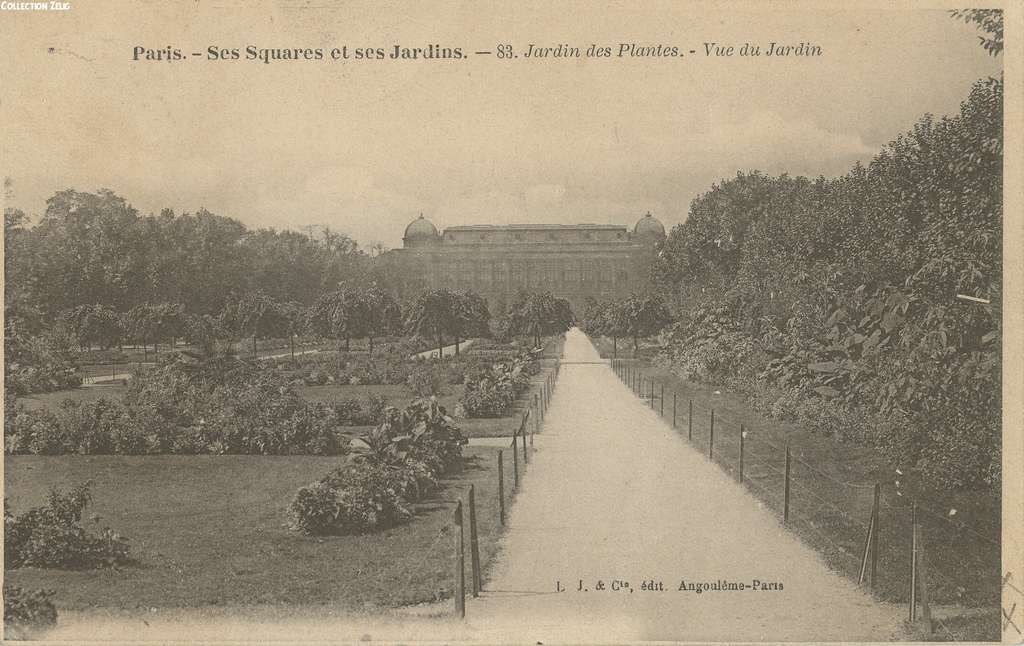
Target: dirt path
[[615, 495]]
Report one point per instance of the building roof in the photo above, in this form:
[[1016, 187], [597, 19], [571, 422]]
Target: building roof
[[537, 227], [420, 228]]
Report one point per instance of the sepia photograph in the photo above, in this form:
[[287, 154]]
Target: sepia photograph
[[511, 322]]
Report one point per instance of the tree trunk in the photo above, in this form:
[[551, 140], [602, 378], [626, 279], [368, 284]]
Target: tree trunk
[[291, 342], [636, 345], [254, 355], [371, 344], [346, 343], [456, 345], [615, 348], [440, 345], [145, 351]]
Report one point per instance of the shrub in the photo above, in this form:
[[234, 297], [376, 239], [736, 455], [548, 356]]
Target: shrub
[[27, 612], [491, 393], [52, 536], [357, 497], [425, 379], [390, 466]]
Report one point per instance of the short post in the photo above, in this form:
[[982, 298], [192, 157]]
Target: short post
[[474, 545], [689, 427], [711, 437], [460, 563], [785, 507], [522, 431], [674, 397], [913, 561], [662, 400], [501, 489], [867, 546], [743, 435], [652, 393], [922, 582], [874, 539], [515, 463]]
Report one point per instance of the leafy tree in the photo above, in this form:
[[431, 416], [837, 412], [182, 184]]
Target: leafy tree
[[470, 317], [377, 313], [642, 316], [989, 21], [258, 315], [433, 315], [539, 313]]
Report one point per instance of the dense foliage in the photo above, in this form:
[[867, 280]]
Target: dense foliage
[[53, 536], [849, 293], [634, 317], [537, 314], [445, 313], [180, 406], [491, 391], [390, 468], [27, 613]]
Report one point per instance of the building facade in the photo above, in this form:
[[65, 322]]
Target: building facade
[[573, 261]]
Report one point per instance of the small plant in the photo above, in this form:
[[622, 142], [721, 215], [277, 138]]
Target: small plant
[[27, 613], [53, 537], [425, 380]]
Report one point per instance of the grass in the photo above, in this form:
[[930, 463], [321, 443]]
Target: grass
[[209, 531], [831, 495]]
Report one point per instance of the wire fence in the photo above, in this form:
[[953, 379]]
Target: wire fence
[[464, 523], [877, 533]]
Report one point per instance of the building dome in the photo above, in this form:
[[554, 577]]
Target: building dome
[[649, 226], [420, 230]]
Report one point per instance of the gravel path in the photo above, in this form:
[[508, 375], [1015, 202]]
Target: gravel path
[[614, 494]]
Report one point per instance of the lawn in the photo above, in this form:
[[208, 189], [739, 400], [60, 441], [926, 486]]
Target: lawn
[[210, 530], [831, 495]]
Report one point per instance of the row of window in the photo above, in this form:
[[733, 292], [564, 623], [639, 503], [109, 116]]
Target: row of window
[[499, 272]]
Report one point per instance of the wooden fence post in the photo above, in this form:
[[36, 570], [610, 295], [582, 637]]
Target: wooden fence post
[[662, 400], [867, 547], [515, 463], [474, 545], [522, 432], [874, 539], [785, 508], [913, 561], [501, 489], [674, 397], [743, 434], [652, 393], [689, 427], [460, 563], [922, 582], [711, 437]]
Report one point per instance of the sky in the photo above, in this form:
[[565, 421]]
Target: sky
[[366, 146]]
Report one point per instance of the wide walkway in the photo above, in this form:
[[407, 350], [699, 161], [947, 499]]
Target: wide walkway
[[613, 497]]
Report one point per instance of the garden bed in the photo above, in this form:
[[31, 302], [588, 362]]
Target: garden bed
[[210, 530]]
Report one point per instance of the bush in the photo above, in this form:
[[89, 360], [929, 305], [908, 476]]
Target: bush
[[357, 497], [492, 392], [425, 379], [27, 612], [390, 467], [52, 536]]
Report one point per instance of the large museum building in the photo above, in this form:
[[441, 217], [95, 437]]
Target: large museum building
[[573, 261]]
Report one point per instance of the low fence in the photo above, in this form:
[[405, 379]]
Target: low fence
[[876, 533], [464, 518]]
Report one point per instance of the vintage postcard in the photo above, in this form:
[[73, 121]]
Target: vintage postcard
[[512, 322]]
